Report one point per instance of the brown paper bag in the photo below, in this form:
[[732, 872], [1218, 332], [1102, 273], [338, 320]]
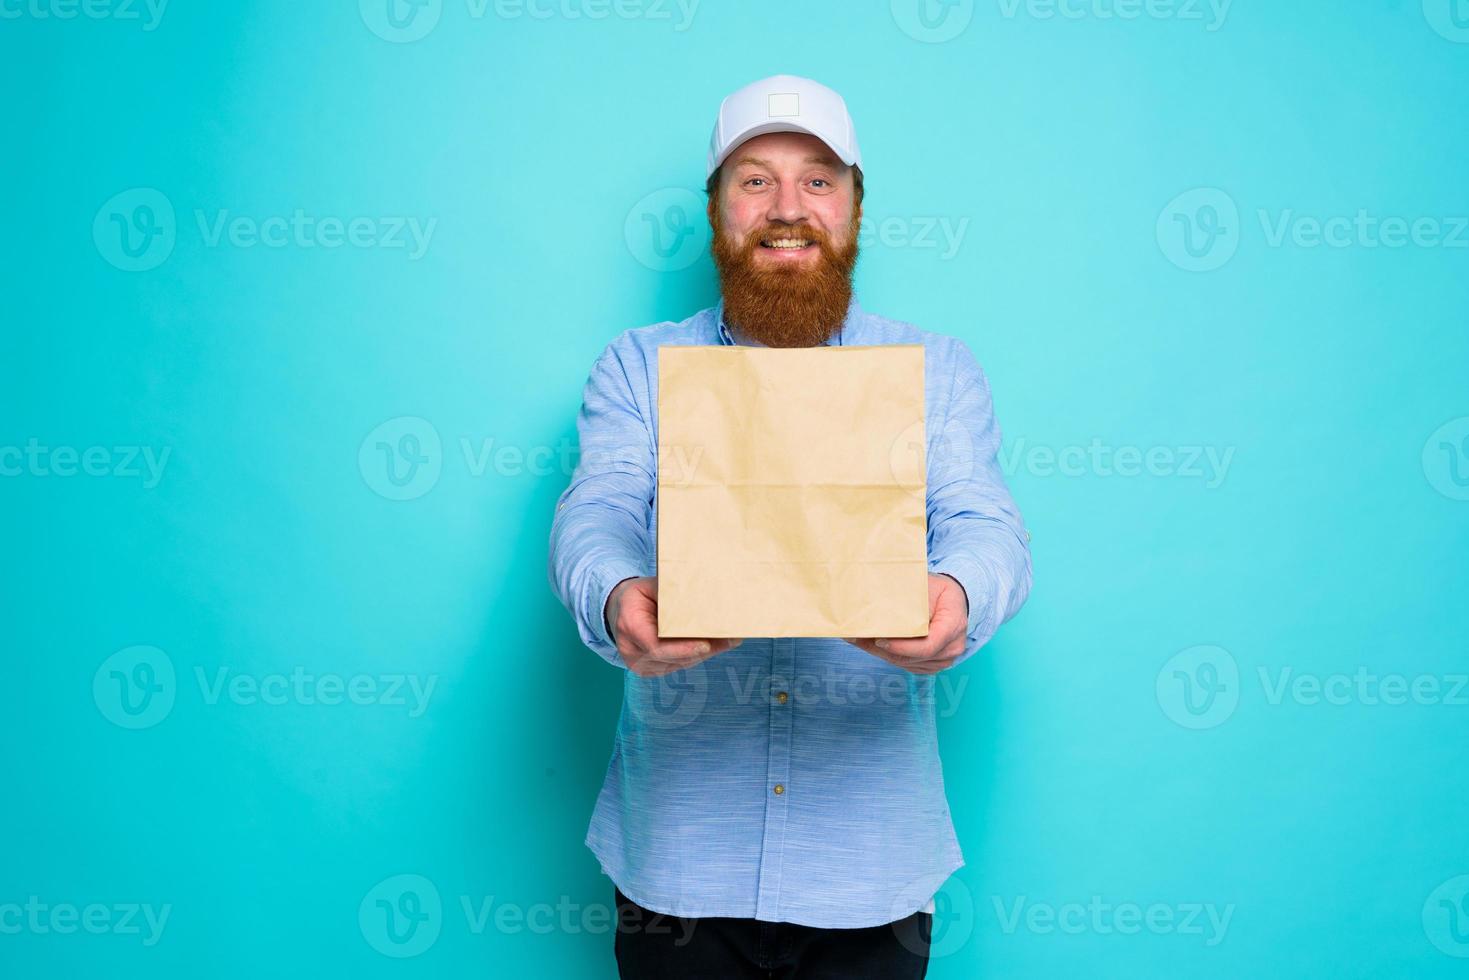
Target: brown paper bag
[[791, 492]]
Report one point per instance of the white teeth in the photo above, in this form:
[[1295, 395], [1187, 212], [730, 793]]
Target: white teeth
[[787, 243]]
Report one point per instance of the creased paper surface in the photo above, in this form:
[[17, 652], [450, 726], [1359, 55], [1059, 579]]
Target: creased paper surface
[[791, 492]]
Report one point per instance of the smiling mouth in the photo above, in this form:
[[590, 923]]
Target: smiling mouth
[[786, 244]]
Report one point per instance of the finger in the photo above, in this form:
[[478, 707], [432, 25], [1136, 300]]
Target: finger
[[870, 646], [929, 666], [883, 653], [657, 667], [646, 661], [691, 651], [911, 648], [638, 628], [670, 649], [916, 666], [648, 665], [945, 628]]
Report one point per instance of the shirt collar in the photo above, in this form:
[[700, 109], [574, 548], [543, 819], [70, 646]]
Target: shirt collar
[[843, 335]]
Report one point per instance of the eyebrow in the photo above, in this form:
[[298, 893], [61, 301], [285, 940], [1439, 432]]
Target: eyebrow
[[823, 159]]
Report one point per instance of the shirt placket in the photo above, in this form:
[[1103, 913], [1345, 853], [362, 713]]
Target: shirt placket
[[778, 788]]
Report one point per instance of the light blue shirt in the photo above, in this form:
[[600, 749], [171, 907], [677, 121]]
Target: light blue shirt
[[790, 780]]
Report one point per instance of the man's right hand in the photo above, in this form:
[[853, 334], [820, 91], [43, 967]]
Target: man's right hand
[[632, 618]]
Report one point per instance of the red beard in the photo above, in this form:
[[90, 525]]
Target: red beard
[[787, 305]]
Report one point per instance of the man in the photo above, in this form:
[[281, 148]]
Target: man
[[787, 816]]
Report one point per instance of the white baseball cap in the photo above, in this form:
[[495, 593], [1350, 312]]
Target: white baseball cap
[[784, 104]]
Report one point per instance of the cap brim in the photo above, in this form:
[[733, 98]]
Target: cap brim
[[779, 127]]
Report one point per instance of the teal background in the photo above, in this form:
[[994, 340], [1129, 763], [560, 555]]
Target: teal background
[[1078, 763]]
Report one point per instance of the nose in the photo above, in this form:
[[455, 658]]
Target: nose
[[786, 204]]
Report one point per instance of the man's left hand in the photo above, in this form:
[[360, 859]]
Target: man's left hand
[[948, 621]]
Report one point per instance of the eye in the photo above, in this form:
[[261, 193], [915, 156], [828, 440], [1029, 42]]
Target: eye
[[753, 180], [820, 180]]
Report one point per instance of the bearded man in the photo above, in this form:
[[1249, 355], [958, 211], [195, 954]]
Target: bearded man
[[781, 828]]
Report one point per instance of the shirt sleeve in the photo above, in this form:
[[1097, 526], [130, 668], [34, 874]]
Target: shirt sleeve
[[975, 533], [599, 535]]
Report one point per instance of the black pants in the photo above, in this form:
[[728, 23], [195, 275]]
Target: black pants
[[654, 946]]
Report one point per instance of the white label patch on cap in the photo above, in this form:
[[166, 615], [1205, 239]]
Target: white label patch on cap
[[784, 104]]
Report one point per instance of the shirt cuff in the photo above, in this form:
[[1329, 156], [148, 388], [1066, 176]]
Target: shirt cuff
[[604, 579], [978, 589]]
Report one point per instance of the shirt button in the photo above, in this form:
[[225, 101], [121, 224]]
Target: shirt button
[[782, 697], [779, 789]]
